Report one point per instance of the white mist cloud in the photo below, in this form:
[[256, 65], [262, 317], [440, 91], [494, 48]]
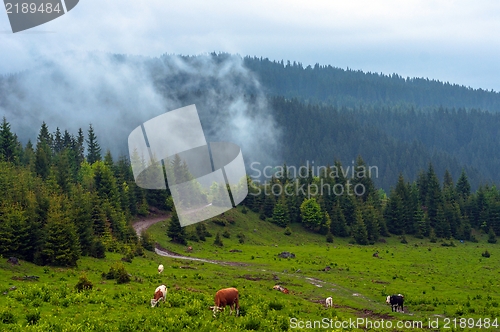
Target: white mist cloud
[[116, 94]]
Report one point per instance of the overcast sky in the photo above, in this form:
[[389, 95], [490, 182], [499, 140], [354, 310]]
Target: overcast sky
[[455, 41]]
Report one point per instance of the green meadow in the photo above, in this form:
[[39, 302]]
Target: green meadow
[[450, 283]]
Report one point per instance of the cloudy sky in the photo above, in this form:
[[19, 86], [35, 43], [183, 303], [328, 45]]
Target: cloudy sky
[[455, 41]]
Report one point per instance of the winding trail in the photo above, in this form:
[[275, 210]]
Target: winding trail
[[145, 223]]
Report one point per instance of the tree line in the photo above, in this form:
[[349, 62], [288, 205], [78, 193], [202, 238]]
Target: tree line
[[62, 198], [422, 208]]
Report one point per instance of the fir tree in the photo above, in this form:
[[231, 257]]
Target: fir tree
[[8, 142], [359, 232], [280, 212], [175, 231], [93, 147]]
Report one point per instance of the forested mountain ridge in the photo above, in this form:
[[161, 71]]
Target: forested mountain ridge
[[346, 87], [276, 112]]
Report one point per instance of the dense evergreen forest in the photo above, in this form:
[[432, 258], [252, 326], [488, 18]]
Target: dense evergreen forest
[[319, 114], [62, 199], [435, 147], [324, 84]]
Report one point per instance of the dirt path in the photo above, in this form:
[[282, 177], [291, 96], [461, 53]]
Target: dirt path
[[144, 223], [167, 253]]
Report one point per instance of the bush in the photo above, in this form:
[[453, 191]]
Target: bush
[[486, 254], [193, 237], [288, 231], [244, 210], [241, 237], [33, 317], [146, 241], [98, 250], [491, 236], [83, 283], [275, 305], [403, 240], [218, 240], [329, 237], [7, 317], [117, 272], [226, 234], [219, 221]]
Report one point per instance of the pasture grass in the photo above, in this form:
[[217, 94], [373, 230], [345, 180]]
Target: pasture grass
[[437, 282]]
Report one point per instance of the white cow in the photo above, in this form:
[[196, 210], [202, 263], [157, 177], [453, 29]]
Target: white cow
[[329, 302], [160, 268], [160, 294]]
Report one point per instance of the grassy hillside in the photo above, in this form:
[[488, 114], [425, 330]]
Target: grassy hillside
[[438, 282]]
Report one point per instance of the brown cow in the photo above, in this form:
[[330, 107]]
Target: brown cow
[[224, 297]]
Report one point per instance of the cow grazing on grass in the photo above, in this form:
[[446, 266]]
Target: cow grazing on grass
[[224, 297], [160, 268], [281, 289], [160, 294], [329, 302], [396, 302]]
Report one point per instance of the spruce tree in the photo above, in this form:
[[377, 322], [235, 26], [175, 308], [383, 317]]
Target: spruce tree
[[61, 245], [93, 147], [359, 232], [463, 186], [8, 142], [280, 212], [175, 231], [338, 225]]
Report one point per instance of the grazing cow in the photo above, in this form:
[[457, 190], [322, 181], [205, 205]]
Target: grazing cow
[[224, 297], [160, 294], [160, 268], [329, 302], [281, 289], [396, 302]]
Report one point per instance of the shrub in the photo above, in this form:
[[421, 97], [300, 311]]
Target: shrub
[[244, 210], [252, 324], [219, 221], [491, 236], [329, 237], [98, 250], [194, 237], [486, 254], [7, 317], [288, 231], [403, 240], [33, 317], [226, 234], [83, 283], [275, 305], [218, 240], [146, 241], [241, 237], [118, 272]]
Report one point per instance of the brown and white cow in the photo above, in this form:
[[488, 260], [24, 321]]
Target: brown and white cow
[[281, 289], [224, 297], [160, 294]]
